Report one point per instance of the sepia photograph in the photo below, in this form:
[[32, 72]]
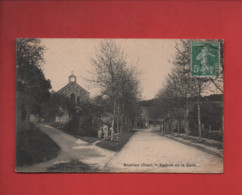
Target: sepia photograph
[[119, 105]]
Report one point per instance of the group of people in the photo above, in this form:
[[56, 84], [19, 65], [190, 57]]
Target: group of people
[[105, 133]]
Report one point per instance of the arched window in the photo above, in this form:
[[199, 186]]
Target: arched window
[[73, 98], [78, 100]]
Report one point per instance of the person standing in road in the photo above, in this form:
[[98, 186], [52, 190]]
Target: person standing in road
[[100, 132], [105, 132]]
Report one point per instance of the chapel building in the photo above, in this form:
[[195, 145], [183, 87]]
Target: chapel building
[[75, 92]]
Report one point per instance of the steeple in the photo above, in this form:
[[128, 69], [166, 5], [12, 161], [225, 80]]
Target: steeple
[[72, 78]]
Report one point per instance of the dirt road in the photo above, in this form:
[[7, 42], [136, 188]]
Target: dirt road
[[144, 152], [71, 149], [149, 152]]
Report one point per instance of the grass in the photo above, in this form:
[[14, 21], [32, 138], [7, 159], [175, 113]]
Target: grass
[[90, 140], [203, 141], [61, 127], [192, 142], [33, 146], [73, 166], [118, 141]]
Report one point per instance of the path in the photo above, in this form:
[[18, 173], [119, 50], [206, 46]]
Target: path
[[149, 152], [71, 149]]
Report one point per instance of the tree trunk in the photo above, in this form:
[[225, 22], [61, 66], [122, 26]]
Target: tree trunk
[[125, 123], [198, 110], [128, 124], [178, 126], [118, 130], [122, 124], [135, 123], [210, 129], [186, 121], [199, 121], [114, 111], [171, 127]]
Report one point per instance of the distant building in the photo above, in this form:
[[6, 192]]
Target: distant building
[[75, 92]]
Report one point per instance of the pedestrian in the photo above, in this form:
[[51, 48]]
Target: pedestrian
[[105, 132], [100, 132]]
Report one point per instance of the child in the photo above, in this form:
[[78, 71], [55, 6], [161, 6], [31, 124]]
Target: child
[[105, 132], [100, 131]]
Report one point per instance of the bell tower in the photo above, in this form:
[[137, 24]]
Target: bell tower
[[72, 78]]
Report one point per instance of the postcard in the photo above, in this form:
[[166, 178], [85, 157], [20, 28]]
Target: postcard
[[119, 105]]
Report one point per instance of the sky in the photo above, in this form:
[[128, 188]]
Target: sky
[[149, 56]]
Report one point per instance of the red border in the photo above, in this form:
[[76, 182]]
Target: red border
[[136, 19]]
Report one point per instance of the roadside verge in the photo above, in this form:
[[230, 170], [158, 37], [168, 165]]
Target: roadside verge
[[209, 146]]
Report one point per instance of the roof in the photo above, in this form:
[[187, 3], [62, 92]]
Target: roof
[[72, 84]]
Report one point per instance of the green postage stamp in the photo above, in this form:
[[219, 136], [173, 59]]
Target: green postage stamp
[[205, 59]]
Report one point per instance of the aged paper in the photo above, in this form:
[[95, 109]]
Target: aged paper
[[119, 105]]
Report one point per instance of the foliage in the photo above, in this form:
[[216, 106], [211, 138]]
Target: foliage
[[73, 166], [211, 114], [159, 107], [117, 81], [118, 141], [181, 86], [85, 120], [105, 103], [33, 146], [30, 77], [56, 104], [108, 63]]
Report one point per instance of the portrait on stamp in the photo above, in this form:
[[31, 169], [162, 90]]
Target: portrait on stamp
[[205, 59]]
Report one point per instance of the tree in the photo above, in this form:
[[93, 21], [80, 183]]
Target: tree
[[30, 77], [55, 105], [85, 120], [115, 79], [129, 97], [180, 83]]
